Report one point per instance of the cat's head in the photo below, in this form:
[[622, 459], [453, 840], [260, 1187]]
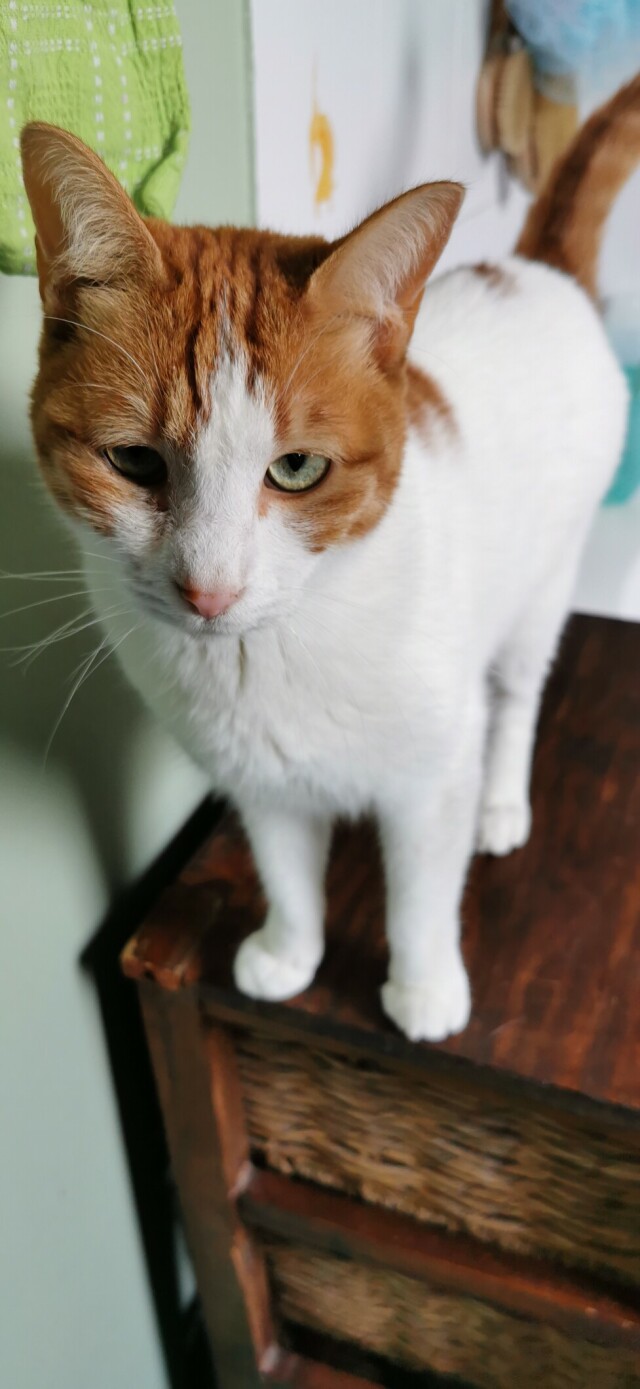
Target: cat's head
[[224, 405]]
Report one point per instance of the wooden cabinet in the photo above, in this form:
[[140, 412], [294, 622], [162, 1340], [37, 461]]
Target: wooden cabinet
[[362, 1210]]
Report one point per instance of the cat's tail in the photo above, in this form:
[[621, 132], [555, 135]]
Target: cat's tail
[[565, 224]]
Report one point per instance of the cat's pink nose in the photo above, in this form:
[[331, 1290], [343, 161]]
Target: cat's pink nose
[[209, 604]]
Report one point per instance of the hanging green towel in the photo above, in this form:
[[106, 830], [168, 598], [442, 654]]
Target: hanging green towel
[[109, 71]]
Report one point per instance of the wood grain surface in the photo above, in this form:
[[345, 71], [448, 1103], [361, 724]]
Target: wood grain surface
[[205, 1137], [551, 934]]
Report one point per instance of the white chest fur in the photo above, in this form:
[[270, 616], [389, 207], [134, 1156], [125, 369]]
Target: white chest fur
[[367, 678]]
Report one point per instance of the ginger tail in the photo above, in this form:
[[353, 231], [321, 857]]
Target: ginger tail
[[565, 224]]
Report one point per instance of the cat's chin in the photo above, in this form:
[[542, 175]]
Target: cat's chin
[[211, 631], [233, 627]]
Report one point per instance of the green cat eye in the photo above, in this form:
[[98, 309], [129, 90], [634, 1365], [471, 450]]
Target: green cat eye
[[142, 465], [297, 472]]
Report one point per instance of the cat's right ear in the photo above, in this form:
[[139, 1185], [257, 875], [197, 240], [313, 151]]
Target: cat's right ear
[[86, 225]]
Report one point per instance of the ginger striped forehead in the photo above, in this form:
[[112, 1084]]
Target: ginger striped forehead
[[142, 321], [227, 294]]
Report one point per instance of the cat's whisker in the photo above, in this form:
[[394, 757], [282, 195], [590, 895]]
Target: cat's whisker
[[88, 656], [325, 683], [309, 654], [75, 323], [316, 598], [26, 662], [305, 597], [317, 372], [312, 342], [70, 628], [110, 559], [55, 598], [32, 648], [151, 347], [62, 634], [89, 667], [360, 656], [52, 574], [84, 674], [428, 356], [135, 400]]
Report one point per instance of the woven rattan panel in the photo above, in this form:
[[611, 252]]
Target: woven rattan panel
[[523, 1178], [402, 1320]]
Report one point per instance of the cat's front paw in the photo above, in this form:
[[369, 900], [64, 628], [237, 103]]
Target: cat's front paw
[[430, 1012], [260, 973], [502, 828]]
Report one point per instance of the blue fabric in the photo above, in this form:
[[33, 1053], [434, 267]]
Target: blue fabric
[[563, 35], [627, 478]]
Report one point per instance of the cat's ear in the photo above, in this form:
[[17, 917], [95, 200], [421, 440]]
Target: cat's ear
[[86, 225], [380, 270]]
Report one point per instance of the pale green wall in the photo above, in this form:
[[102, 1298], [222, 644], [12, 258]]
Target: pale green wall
[[74, 1306]]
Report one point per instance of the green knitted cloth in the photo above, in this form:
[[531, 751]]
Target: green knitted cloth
[[110, 71]]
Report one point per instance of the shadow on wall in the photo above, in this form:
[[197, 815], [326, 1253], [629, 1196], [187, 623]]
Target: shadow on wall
[[180, 1326], [97, 749], [106, 746], [94, 743]]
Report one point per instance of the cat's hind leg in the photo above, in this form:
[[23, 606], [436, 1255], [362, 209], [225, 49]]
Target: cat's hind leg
[[291, 853], [518, 677]]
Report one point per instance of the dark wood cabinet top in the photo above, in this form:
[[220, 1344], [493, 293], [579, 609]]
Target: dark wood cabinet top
[[551, 933]]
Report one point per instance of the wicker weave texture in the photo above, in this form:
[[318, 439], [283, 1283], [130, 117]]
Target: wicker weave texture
[[520, 1177], [415, 1327]]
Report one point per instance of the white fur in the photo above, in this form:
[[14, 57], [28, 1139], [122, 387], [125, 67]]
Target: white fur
[[85, 237], [400, 673]]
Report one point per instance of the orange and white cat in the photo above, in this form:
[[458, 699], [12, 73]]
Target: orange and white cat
[[345, 517]]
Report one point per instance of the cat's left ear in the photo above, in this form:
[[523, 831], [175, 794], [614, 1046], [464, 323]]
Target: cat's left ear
[[379, 271], [86, 225]]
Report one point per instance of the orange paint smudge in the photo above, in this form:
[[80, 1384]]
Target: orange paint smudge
[[322, 155]]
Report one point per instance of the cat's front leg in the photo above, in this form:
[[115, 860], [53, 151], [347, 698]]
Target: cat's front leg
[[290, 851], [427, 842]]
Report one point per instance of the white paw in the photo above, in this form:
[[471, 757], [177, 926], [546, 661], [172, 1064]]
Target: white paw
[[261, 974], [502, 828], [433, 1011]]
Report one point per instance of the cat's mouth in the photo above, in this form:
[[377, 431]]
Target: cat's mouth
[[233, 625], [166, 603], [200, 629]]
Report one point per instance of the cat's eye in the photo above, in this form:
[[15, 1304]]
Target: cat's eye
[[142, 465], [297, 472]]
